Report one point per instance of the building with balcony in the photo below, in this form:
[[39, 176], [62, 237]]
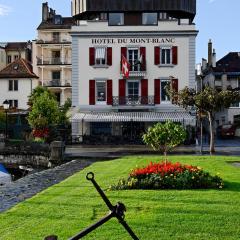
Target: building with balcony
[[154, 41], [223, 74], [52, 53]]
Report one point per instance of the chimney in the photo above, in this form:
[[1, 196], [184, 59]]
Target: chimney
[[214, 58], [45, 12], [210, 53]]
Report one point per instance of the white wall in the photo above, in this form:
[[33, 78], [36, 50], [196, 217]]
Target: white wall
[[24, 90]]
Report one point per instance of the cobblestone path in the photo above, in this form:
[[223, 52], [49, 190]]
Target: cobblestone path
[[15, 192]]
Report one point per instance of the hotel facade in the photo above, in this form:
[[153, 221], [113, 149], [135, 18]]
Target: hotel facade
[[157, 40]]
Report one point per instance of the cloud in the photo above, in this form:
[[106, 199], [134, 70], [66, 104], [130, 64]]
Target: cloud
[[4, 10]]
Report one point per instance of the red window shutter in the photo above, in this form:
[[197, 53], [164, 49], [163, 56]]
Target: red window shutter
[[109, 56], [91, 56], [157, 88], [175, 89], [122, 91], [144, 91], [92, 92], [143, 54], [175, 55], [109, 92], [156, 55]]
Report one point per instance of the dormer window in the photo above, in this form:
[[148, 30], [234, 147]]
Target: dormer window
[[149, 18], [116, 19]]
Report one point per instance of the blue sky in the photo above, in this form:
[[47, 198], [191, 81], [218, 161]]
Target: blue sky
[[215, 19]]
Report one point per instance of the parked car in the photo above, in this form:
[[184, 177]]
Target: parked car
[[226, 131]]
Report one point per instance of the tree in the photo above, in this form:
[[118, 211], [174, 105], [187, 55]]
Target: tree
[[45, 112], [164, 136], [209, 101]]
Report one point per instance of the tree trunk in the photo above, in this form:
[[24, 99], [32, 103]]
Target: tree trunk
[[211, 129]]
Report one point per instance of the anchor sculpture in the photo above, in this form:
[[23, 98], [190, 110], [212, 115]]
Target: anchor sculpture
[[115, 211]]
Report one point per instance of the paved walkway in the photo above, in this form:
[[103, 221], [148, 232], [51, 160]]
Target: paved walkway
[[18, 191]]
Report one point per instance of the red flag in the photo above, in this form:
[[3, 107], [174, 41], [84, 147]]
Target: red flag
[[125, 67]]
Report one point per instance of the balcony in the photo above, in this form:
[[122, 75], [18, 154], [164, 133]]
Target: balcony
[[133, 101], [57, 83], [53, 61], [54, 41], [137, 69]]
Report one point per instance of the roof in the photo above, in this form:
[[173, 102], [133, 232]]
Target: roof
[[183, 117], [229, 63], [67, 23], [16, 45], [20, 68]]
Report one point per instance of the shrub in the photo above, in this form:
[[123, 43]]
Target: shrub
[[167, 175]]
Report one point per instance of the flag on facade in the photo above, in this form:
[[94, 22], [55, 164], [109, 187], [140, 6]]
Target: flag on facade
[[125, 67]]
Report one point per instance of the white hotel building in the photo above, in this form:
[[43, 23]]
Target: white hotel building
[[158, 40]]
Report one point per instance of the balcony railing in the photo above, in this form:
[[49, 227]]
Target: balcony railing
[[54, 61], [133, 101], [137, 69], [54, 40], [57, 83]]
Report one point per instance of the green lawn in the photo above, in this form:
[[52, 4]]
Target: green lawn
[[72, 205]]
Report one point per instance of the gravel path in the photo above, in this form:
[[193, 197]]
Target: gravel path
[[15, 192]]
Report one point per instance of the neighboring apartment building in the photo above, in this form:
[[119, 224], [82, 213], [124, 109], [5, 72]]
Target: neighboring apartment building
[[17, 50], [11, 51], [154, 40], [52, 53], [223, 74], [17, 81], [2, 57]]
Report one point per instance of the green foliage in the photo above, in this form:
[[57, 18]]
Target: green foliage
[[208, 101], [63, 118], [164, 136], [44, 111]]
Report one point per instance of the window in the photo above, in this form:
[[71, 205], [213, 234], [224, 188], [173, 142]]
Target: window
[[13, 103], [13, 85], [56, 36], [100, 128], [116, 19], [133, 89], [16, 57], [133, 58], [9, 59], [166, 55], [164, 95], [100, 56], [56, 57], [56, 76], [101, 91], [149, 18]]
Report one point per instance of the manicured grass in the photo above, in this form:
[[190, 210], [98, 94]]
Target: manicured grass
[[74, 204]]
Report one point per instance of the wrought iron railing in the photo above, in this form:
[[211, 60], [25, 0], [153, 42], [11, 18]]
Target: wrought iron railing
[[57, 83], [133, 101]]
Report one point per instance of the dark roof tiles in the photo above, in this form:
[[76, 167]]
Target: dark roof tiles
[[18, 69]]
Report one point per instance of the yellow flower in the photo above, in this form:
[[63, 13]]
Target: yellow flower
[[193, 177]]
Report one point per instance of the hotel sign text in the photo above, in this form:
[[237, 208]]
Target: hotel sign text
[[131, 40]]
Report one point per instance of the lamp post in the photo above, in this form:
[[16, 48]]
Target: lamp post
[[6, 105]]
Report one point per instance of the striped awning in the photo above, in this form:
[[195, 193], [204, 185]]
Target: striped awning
[[100, 53], [183, 117]]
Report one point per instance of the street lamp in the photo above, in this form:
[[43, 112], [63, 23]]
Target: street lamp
[[6, 106]]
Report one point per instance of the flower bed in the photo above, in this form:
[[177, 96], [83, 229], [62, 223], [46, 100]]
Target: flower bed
[[167, 175]]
